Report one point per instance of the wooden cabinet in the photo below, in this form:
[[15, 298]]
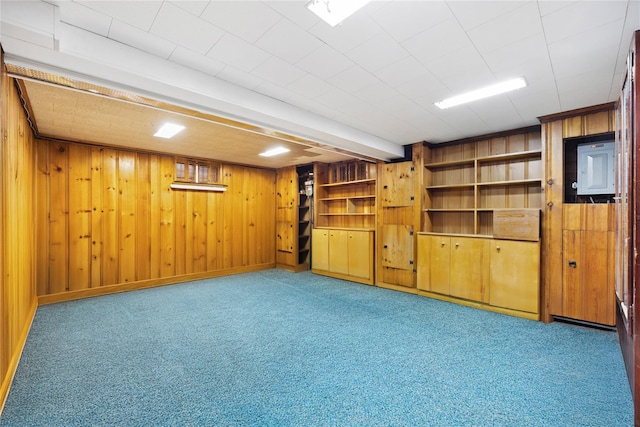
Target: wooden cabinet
[[588, 282], [515, 275], [344, 220], [465, 183], [453, 265], [345, 254], [497, 275]]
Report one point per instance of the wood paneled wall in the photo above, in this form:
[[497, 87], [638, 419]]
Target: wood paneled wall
[[108, 218], [578, 123], [18, 300]]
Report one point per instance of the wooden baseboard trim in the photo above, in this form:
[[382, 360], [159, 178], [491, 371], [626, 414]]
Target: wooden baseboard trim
[[15, 357], [343, 277], [481, 306], [144, 284], [399, 288]]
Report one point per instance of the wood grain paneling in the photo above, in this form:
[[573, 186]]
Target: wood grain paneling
[[556, 214], [18, 171], [113, 219]]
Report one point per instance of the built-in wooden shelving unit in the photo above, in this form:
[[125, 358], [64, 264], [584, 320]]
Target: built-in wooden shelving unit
[[465, 183]]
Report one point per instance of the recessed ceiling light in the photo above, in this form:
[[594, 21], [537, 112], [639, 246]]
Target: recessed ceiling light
[[168, 130], [334, 12], [485, 92], [274, 151]]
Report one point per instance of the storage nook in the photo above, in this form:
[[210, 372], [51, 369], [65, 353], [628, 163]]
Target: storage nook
[[344, 220]]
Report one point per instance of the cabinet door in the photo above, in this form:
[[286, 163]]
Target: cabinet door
[[423, 260], [338, 252], [397, 246], [320, 249], [469, 262], [397, 184], [571, 274], [515, 275], [438, 266], [359, 249], [588, 292]]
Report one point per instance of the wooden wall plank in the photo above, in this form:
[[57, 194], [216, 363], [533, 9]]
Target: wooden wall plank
[[110, 220], [79, 216], [127, 197], [58, 217], [167, 227], [199, 231], [42, 217], [143, 217], [96, 217], [154, 215]]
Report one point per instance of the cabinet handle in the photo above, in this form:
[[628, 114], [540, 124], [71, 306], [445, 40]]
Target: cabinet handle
[[442, 243], [498, 248], [457, 244], [573, 264]]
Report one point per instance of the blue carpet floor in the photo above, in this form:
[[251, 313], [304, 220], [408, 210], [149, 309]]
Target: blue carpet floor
[[275, 348]]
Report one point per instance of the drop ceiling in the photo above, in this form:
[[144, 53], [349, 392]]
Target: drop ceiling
[[247, 74]]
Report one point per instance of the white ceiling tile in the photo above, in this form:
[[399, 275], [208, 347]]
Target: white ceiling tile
[[524, 51], [135, 37], [536, 101], [596, 47], [194, 60], [140, 14], [375, 94], [581, 17], [463, 65], [274, 91], [428, 45], [406, 19], [403, 71], [239, 77], [425, 89], [342, 101], [352, 79], [38, 16], [377, 52], [195, 7], [234, 51], [187, 30], [80, 16], [345, 37], [310, 86], [547, 7], [520, 23], [471, 14], [277, 71], [583, 98], [248, 20], [325, 62], [288, 41], [295, 11]]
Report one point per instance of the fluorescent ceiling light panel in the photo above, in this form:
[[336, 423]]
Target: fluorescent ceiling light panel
[[168, 130], [334, 12], [274, 152], [485, 92]]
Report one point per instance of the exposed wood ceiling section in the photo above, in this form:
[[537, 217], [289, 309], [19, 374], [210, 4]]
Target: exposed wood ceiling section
[[64, 113]]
